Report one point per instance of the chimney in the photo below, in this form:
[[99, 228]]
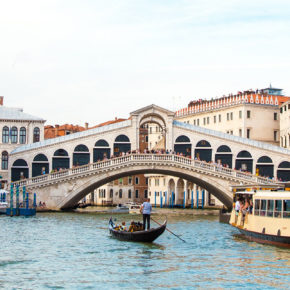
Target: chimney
[[56, 130], [1, 101], [86, 126]]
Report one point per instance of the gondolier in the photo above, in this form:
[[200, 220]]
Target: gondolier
[[146, 209]]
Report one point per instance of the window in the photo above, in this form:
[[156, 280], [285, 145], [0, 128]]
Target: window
[[275, 116], [129, 193], [204, 121], [130, 179], [163, 181], [36, 135], [14, 135], [278, 208], [248, 114], [120, 181], [146, 193], [22, 135], [275, 135], [286, 208], [240, 132], [4, 160], [146, 180], [111, 193], [146, 138], [214, 119], [136, 193], [197, 122], [231, 132], [220, 118], [263, 207], [136, 180], [232, 116], [207, 119], [156, 182], [248, 133], [194, 122], [270, 208], [5, 135], [240, 114], [257, 207], [228, 116], [120, 193]]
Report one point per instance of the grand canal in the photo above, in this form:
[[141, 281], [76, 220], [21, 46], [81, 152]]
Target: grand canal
[[75, 251]]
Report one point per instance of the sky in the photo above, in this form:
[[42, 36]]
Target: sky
[[77, 61]]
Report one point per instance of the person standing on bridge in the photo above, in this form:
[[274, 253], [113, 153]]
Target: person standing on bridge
[[146, 209]]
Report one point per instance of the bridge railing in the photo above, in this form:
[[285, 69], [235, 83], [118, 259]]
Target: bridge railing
[[167, 158]]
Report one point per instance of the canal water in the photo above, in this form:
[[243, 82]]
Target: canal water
[[75, 251]]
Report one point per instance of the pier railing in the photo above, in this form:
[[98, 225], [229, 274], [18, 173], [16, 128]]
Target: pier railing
[[146, 159]]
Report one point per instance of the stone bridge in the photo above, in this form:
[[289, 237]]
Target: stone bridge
[[63, 190]]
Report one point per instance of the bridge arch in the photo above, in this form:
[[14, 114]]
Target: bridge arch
[[265, 166], [19, 170], [101, 150], [81, 155], [122, 144], [182, 145], [60, 159], [224, 156], [203, 151], [209, 183], [283, 172], [244, 161], [40, 165]]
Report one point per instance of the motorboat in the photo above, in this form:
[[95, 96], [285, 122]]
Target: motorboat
[[121, 208]]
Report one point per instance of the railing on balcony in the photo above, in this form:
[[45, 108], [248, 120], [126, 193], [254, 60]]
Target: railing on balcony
[[145, 159]]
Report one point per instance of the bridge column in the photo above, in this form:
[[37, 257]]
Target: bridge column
[[186, 192], [194, 193], [176, 194]]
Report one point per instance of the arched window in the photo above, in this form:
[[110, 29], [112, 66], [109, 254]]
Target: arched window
[[129, 193], [182, 139], [36, 135], [122, 138], [224, 148], [22, 135], [4, 160], [14, 135], [5, 135], [120, 193], [111, 193]]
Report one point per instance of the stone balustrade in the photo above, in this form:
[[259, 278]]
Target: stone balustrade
[[152, 159]]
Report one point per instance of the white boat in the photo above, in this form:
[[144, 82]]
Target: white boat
[[121, 208], [268, 219], [134, 208]]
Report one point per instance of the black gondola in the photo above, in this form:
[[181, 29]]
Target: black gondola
[[140, 236]]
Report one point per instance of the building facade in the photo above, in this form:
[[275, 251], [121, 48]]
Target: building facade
[[285, 125], [17, 128]]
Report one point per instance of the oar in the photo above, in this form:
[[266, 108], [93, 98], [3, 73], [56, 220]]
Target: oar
[[169, 230]]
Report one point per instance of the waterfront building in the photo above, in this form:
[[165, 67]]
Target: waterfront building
[[239, 115], [18, 128], [285, 125], [249, 114]]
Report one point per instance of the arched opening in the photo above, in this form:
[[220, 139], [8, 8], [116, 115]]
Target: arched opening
[[40, 165], [81, 155], [36, 134], [19, 170], [179, 192], [183, 146], [283, 172], [5, 135], [60, 160], [203, 151], [101, 150], [22, 135], [265, 167], [14, 135], [4, 164], [171, 192], [121, 145], [244, 161], [224, 156]]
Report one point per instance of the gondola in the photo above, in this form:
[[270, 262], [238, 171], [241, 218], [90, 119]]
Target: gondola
[[139, 236]]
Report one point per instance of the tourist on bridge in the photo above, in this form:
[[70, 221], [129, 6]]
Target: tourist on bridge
[[146, 209]]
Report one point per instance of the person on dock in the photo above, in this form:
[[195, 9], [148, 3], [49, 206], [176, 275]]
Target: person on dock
[[146, 209]]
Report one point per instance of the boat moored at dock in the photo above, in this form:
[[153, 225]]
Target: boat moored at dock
[[263, 215]]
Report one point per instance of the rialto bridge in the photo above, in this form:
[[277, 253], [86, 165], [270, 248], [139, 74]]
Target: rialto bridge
[[78, 155]]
